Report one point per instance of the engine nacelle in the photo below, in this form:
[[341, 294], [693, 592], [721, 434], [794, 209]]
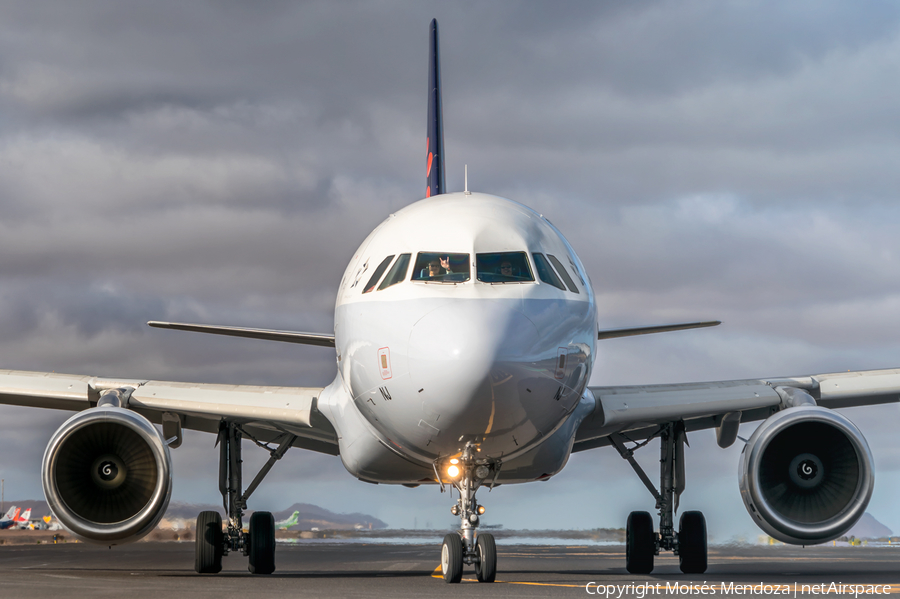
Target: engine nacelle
[[107, 475], [806, 475]]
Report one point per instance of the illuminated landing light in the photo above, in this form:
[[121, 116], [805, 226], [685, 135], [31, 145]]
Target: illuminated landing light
[[453, 471], [481, 510]]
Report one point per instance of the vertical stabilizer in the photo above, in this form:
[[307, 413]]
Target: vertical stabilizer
[[434, 143]]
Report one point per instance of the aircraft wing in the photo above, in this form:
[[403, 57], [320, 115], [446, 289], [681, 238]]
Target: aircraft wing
[[266, 413], [637, 411]]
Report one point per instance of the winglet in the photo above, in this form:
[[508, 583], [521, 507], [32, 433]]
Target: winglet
[[434, 142]]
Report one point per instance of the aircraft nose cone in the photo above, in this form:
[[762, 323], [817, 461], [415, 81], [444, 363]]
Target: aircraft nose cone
[[455, 350]]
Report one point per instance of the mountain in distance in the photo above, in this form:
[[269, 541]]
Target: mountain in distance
[[310, 516], [869, 528], [313, 516]]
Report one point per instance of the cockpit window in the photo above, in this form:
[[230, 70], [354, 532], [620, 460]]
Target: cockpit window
[[373, 280], [562, 272], [545, 272], [397, 272], [503, 267], [441, 267], [577, 272]]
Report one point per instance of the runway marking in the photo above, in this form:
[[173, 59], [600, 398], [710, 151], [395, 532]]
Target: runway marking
[[61, 576], [437, 574], [537, 584], [894, 588]]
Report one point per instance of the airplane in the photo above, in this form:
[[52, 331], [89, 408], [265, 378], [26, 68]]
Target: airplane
[[10, 518], [288, 522], [15, 519], [24, 519], [46, 523], [465, 334]]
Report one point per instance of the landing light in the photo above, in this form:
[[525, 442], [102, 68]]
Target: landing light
[[480, 510], [454, 461], [453, 471]]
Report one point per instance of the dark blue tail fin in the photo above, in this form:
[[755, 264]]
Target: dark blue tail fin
[[434, 143]]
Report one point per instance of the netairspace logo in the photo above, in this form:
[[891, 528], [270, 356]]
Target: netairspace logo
[[616, 591]]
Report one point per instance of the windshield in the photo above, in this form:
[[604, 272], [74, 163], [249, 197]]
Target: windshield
[[377, 274], [397, 272], [441, 267], [503, 267], [545, 271]]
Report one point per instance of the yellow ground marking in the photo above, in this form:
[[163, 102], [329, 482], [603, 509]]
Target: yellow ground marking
[[438, 574], [894, 588]]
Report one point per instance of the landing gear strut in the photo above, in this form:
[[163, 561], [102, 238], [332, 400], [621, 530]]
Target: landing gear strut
[[467, 546], [258, 543], [641, 543]]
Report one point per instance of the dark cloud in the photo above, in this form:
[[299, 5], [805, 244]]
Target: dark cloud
[[220, 162]]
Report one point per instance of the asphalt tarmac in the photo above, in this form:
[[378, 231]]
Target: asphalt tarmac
[[323, 569]]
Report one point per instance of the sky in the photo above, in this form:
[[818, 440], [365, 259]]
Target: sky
[[219, 162]]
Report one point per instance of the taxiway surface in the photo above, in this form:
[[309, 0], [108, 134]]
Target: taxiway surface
[[153, 570]]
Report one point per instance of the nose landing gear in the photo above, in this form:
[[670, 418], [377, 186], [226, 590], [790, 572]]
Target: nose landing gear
[[467, 547]]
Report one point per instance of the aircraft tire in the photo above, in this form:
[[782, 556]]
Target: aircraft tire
[[262, 543], [208, 544], [452, 558], [640, 543], [486, 566], [692, 543]]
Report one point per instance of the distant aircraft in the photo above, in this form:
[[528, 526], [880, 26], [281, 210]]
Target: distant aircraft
[[46, 523], [288, 522], [465, 334], [9, 519], [25, 518]]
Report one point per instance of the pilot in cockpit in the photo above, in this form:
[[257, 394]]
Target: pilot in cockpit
[[437, 268]]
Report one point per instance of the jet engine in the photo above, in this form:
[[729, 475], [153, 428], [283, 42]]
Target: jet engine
[[806, 475], [107, 475]]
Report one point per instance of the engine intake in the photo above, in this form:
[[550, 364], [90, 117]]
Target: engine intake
[[107, 475], [806, 475]]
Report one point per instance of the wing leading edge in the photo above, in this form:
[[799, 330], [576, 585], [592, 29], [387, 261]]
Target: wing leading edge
[[267, 412], [663, 328], [639, 410], [263, 334]]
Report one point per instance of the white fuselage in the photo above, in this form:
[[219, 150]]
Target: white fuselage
[[427, 365]]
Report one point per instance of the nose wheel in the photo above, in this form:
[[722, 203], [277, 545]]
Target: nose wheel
[[486, 554], [467, 546], [452, 558]]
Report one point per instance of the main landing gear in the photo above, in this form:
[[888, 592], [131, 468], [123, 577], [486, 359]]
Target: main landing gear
[[467, 546], [641, 543], [258, 543]]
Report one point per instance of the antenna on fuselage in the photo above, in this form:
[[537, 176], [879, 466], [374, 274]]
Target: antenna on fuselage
[[466, 190], [434, 142]]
